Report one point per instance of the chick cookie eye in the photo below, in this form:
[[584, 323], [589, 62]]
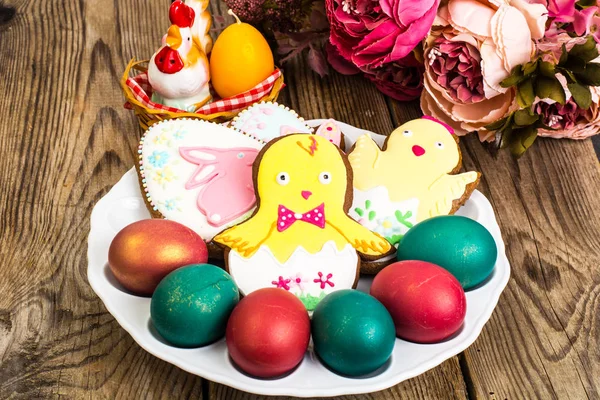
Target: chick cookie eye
[[283, 178], [407, 133], [325, 178], [439, 145]]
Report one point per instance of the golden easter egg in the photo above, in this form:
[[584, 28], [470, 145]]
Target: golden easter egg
[[144, 252], [241, 58]]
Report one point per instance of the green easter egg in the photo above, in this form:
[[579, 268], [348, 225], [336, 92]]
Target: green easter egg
[[353, 333], [190, 306], [458, 244]]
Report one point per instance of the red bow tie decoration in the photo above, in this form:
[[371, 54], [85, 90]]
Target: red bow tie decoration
[[287, 217]]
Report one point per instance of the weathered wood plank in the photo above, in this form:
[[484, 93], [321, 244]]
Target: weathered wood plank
[[543, 340], [443, 382], [68, 139]]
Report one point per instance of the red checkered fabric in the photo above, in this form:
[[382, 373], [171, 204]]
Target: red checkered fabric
[[142, 91]]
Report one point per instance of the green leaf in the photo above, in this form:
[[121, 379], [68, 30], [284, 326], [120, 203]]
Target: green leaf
[[372, 215], [494, 126], [524, 118], [590, 75], [563, 55], [525, 94], [507, 135], [581, 94], [547, 69], [568, 74], [586, 51], [515, 77], [521, 140], [550, 88], [359, 211], [575, 64], [530, 67], [586, 3]]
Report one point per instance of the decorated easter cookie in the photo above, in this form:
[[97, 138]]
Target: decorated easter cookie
[[413, 178], [330, 130], [198, 173], [266, 121], [300, 238]]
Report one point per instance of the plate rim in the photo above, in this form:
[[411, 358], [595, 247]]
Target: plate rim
[[361, 386]]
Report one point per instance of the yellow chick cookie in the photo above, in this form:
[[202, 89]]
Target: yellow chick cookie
[[301, 237], [414, 177]]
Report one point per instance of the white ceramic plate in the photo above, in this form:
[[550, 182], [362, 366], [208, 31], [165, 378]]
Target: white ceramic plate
[[124, 205]]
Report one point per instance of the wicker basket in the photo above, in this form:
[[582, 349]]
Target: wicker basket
[[149, 113]]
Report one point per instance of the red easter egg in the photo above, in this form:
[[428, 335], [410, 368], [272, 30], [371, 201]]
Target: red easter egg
[[268, 333], [427, 303], [144, 252]]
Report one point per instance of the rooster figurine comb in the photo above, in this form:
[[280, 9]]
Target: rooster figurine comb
[[178, 71]]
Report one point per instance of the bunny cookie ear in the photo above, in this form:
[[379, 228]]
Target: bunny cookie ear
[[330, 130]]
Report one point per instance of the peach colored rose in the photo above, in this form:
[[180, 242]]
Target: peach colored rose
[[489, 38]]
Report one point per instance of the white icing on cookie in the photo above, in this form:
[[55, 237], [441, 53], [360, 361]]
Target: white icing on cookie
[[266, 121], [198, 173], [331, 269], [374, 210]]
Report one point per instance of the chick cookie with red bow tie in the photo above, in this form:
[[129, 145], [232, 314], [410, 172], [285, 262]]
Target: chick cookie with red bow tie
[[300, 238]]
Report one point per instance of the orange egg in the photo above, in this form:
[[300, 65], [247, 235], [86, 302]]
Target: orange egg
[[241, 58], [144, 252]]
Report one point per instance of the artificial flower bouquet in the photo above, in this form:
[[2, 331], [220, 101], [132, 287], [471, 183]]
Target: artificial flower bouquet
[[510, 70]]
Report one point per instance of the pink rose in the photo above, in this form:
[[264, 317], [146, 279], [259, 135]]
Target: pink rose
[[561, 10], [473, 47], [402, 80], [550, 46], [370, 33]]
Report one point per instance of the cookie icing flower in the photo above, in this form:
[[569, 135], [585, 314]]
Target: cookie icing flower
[[324, 281], [282, 283], [297, 281], [158, 158], [164, 176]]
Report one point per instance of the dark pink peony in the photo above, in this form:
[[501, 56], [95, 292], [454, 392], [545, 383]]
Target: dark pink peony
[[456, 67], [339, 63], [371, 33], [568, 120], [401, 80]]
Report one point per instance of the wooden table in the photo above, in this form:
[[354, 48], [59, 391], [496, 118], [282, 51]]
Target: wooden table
[[65, 139]]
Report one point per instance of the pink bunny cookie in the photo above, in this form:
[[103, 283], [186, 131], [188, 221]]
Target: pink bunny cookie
[[198, 173], [229, 166]]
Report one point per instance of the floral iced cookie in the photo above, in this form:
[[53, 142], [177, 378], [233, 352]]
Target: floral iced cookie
[[330, 130], [198, 173], [300, 238], [266, 121], [414, 177]]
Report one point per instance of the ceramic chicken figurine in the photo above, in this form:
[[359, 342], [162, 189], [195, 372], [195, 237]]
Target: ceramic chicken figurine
[[178, 72], [301, 238], [413, 178], [202, 24]]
